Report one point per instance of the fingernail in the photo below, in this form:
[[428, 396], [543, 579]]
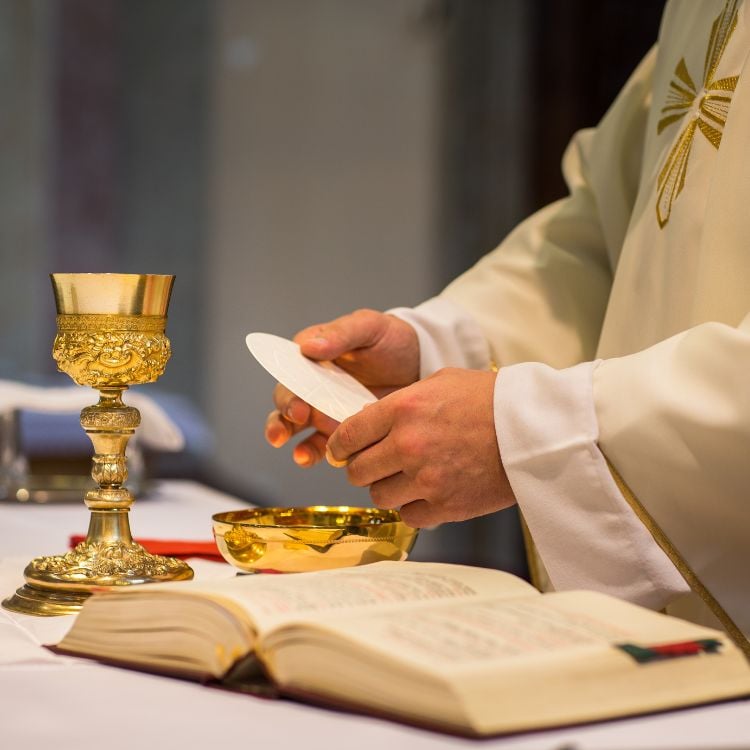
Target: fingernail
[[333, 461]]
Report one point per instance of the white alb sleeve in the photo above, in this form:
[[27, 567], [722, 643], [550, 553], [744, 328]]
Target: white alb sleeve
[[586, 533], [448, 336]]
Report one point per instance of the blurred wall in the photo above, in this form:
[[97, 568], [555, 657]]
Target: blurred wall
[[25, 304]]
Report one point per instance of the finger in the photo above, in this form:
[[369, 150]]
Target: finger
[[393, 492], [310, 451], [280, 426], [361, 430], [277, 429], [290, 406], [341, 336], [323, 424], [418, 514], [371, 465]]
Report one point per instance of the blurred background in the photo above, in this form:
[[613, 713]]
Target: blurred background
[[289, 161]]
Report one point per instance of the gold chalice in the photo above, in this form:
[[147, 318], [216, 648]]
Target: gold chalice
[[110, 335]]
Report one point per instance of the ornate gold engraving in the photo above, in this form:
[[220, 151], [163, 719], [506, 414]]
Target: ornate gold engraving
[[706, 108], [107, 358], [95, 418], [108, 322], [109, 469], [109, 560]]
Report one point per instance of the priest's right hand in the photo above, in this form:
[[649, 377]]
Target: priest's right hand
[[378, 349]]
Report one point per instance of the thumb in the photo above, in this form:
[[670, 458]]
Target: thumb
[[346, 334]]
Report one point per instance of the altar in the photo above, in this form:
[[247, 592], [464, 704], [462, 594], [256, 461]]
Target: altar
[[49, 701]]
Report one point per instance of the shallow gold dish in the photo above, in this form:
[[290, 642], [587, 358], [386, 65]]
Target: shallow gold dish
[[295, 540]]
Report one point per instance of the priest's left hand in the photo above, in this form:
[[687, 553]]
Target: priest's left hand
[[429, 449]]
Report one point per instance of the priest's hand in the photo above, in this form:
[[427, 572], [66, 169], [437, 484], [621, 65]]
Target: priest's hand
[[380, 350], [429, 449]]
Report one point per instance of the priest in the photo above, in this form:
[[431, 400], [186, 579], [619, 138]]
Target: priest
[[595, 367]]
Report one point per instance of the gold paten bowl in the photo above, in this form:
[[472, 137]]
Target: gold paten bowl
[[320, 537]]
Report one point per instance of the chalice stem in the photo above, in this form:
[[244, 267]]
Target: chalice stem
[[109, 526], [109, 424]]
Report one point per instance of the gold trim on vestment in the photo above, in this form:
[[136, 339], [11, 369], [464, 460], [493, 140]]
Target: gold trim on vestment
[[532, 556], [679, 562]]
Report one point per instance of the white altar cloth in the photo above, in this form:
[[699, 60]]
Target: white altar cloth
[[48, 701]]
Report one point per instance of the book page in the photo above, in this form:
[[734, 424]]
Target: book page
[[495, 629], [490, 630], [503, 664], [273, 600]]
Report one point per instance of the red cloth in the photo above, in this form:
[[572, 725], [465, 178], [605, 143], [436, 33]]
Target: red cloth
[[171, 547]]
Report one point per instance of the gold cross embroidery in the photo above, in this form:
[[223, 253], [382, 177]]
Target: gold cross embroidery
[[708, 109]]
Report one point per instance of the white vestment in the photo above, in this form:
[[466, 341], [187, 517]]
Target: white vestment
[[620, 319]]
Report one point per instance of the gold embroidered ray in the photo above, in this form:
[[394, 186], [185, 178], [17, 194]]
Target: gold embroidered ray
[[709, 116]]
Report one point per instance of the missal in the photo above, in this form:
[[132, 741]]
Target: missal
[[466, 650]]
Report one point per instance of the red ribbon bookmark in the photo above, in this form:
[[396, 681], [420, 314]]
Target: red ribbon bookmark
[[646, 654], [171, 547]]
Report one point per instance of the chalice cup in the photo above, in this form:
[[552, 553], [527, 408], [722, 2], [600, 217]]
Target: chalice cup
[[110, 335]]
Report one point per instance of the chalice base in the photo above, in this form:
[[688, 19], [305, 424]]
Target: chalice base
[[29, 600], [59, 585]]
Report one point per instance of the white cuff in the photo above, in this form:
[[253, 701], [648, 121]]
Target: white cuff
[[587, 535], [448, 336]]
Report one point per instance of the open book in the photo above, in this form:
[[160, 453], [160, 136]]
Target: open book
[[460, 649]]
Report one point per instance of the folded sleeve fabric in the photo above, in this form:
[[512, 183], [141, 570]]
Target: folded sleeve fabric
[[675, 420], [586, 532], [448, 336]]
